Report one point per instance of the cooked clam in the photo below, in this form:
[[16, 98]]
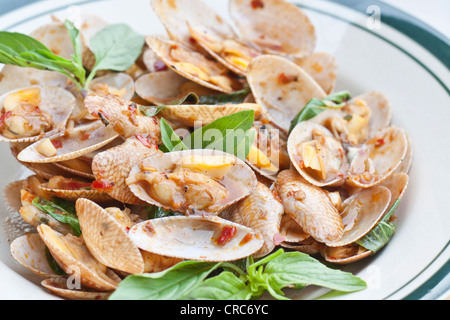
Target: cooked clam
[[31, 113], [119, 84], [322, 67], [196, 238], [193, 181], [60, 286]]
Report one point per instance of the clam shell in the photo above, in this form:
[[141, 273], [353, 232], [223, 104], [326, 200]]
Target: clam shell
[[75, 143], [322, 67], [281, 87], [397, 183], [188, 115], [29, 251], [11, 195], [122, 115], [162, 47], [117, 81], [55, 37], [405, 165], [275, 27], [58, 286], [291, 230], [309, 246], [361, 212], [195, 238], [303, 133], [261, 212], [115, 164], [239, 181], [75, 259], [387, 150], [58, 102], [381, 109], [346, 254], [310, 207], [73, 195], [67, 166], [157, 263], [106, 239], [176, 14]]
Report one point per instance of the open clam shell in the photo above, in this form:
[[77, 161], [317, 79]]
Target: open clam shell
[[60, 287], [119, 83], [122, 115], [56, 102], [346, 254], [361, 212], [385, 152], [72, 144], [75, 259], [397, 184], [322, 67], [193, 65], [106, 238], [310, 206], [196, 181], [113, 166], [262, 212], [29, 251], [291, 231], [196, 238], [188, 115], [281, 87], [380, 108], [275, 27], [317, 155]]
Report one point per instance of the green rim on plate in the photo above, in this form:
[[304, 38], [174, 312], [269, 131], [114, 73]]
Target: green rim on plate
[[433, 41]]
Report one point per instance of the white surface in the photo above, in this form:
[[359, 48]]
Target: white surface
[[365, 63]]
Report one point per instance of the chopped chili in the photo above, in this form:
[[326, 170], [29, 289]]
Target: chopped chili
[[102, 184], [257, 4], [226, 235]]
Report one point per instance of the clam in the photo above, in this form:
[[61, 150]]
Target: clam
[[281, 87], [29, 251], [157, 263], [190, 115], [203, 238], [310, 206], [317, 155], [192, 181], [11, 195], [193, 65], [106, 238], [407, 160], [75, 259], [120, 84], [73, 189], [113, 166], [60, 286], [397, 184], [322, 67], [31, 113], [122, 115], [346, 254], [71, 144], [261, 211], [274, 26], [381, 110]]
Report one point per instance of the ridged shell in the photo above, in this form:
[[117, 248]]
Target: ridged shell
[[381, 109], [239, 181], [75, 259], [281, 87], [275, 27], [106, 239], [116, 82], [73, 195], [75, 143], [262, 212], [195, 238], [310, 207], [346, 254], [322, 67], [58, 286], [58, 102]]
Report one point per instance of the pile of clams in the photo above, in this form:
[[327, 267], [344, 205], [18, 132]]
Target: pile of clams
[[318, 187]]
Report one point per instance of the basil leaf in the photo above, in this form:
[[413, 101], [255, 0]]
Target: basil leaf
[[382, 233], [115, 48], [154, 212], [230, 98], [296, 268], [339, 97], [53, 264], [58, 213], [171, 284], [68, 206], [225, 286], [150, 111], [170, 139], [224, 134], [77, 58]]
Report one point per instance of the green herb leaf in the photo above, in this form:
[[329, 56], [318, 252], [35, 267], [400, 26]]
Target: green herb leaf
[[58, 213], [53, 264], [170, 139], [150, 111], [154, 212], [77, 58], [339, 98], [171, 284], [230, 98], [116, 48]]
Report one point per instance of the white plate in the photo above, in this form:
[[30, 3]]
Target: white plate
[[410, 72]]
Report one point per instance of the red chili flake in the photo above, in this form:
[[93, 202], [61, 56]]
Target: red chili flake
[[160, 66], [226, 235], [102, 184], [257, 4], [75, 185], [132, 107], [380, 142], [57, 144], [3, 117], [284, 79], [144, 140], [192, 41], [246, 239], [85, 136]]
